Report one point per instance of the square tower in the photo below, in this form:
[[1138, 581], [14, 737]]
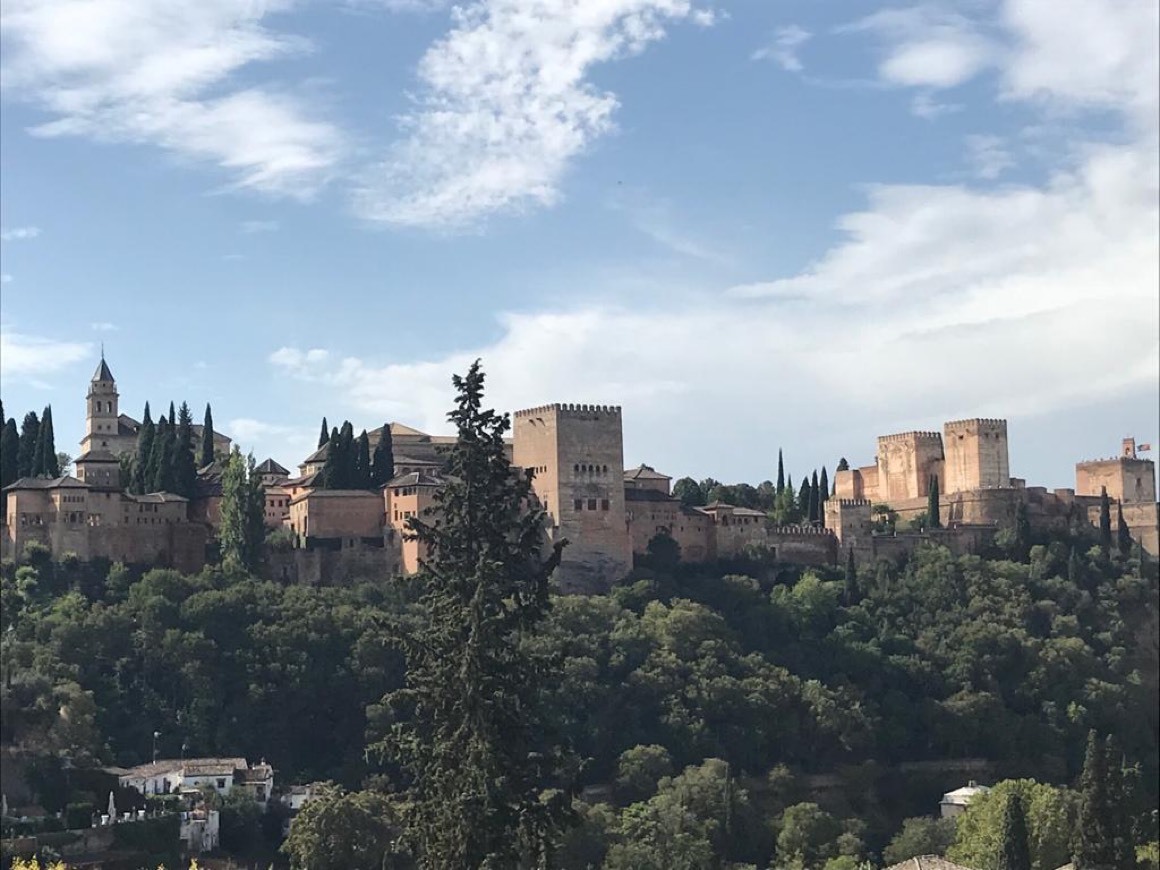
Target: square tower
[[906, 462], [576, 453], [101, 414], [976, 455]]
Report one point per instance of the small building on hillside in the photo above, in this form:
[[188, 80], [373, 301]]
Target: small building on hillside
[[955, 803]]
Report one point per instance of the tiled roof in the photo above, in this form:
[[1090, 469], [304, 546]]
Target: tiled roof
[[644, 472], [269, 466], [336, 493], [156, 497], [65, 482], [98, 455], [318, 455], [927, 862], [103, 373], [415, 478], [213, 766]]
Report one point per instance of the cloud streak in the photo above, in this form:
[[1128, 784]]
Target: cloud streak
[[506, 106]]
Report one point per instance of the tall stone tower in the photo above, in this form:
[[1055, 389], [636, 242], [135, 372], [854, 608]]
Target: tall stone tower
[[101, 427], [975, 455], [577, 455]]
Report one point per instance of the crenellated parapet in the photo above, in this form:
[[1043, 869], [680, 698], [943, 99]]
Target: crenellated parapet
[[974, 423], [564, 408], [909, 436], [849, 502], [800, 530]]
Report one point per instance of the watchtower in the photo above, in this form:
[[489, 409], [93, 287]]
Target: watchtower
[[906, 462], [101, 412], [976, 455], [576, 453]]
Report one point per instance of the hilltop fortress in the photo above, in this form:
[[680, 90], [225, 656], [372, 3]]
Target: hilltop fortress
[[607, 513]]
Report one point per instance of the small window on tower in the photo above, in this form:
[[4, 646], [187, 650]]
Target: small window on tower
[[578, 505], [591, 504], [604, 504]]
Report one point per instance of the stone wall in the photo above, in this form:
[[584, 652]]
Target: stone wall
[[976, 455], [905, 464], [1127, 479]]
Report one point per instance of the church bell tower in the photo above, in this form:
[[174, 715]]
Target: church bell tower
[[101, 413]]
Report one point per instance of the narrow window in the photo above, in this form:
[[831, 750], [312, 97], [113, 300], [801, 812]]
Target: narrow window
[[604, 504], [591, 504], [578, 505]]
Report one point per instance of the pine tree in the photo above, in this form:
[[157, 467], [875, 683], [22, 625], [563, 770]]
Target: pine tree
[[933, 508], [1014, 848], [1093, 846], [471, 732], [243, 528], [145, 435], [1105, 520], [184, 467], [205, 452], [383, 462], [324, 435], [843, 465], [48, 462], [781, 473], [815, 505], [1123, 533], [29, 436], [362, 461], [1075, 572]]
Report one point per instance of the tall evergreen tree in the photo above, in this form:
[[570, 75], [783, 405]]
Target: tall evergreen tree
[[184, 467], [47, 461], [1093, 846], [159, 475], [850, 581], [324, 435], [933, 508], [1075, 572], [348, 455], [1105, 520], [1123, 533], [824, 490], [205, 449], [243, 528], [9, 453], [362, 461], [1014, 848], [472, 735], [780, 472], [29, 436], [843, 465], [803, 501], [815, 506], [145, 435], [334, 469], [383, 461], [1120, 801]]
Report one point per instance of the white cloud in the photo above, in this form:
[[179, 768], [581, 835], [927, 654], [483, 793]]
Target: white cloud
[[19, 233], [29, 357], [104, 326], [161, 72], [250, 227], [783, 48], [928, 46], [657, 219], [286, 444], [298, 362], [5, 278], [924, 105], [506, 105], [988, 156]]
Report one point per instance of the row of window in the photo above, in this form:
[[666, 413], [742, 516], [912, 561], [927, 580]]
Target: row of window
[[589, 469], [578, 504]]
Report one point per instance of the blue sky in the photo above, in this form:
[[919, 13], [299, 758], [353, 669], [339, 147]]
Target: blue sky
[[752, 224]]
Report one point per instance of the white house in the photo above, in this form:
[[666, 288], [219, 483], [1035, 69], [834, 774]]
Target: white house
[[954, 803], [171, 776]]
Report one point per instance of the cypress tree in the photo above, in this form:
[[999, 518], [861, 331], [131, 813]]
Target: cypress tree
[[1119, 808], [1093, 839], [850, 584], [823, 491], [49, 464], [1014, 849], [348, 455], [781, 473], [243, 528], [933, 517], [1105, 521], [1123, 533], [362, 461], [205, 453], [156, 474], [815, 505], [324, 435], [383, 462], [9, 453], [803, 502], [843, 465], [29, 436], [145, 436], [334, 469], [184, 467], [472, 732], [1075, 573]]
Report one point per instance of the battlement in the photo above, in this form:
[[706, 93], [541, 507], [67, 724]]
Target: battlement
[[849, 502], [801, 530], [1113, 459], [975, 423], [910, 436], [564, 408]]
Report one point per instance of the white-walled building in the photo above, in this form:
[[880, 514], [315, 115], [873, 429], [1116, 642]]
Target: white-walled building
[[171, 776]]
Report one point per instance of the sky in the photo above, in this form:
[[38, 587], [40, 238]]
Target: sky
[[753, 224]]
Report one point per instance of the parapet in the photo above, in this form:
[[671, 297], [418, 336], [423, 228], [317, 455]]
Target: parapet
[[819, 531], [911, 436], [849, 502], [1116, 459], [564, 408], [976, 423]]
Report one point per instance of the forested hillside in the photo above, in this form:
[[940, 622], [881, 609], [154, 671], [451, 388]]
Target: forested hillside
[[805, 698]]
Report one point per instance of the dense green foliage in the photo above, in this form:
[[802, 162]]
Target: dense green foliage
[[205, 451], [243, 528], [350, 463], [1014, 853], [346, 831]]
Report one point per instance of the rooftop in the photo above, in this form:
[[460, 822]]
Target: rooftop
[[644, 472]]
